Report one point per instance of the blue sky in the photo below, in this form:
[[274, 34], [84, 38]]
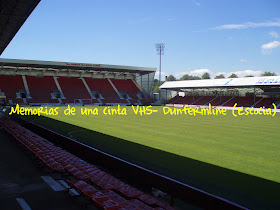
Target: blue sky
[[215, 36]]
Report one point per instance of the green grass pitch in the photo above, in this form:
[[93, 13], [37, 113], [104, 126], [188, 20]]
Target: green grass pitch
[[181, 146]]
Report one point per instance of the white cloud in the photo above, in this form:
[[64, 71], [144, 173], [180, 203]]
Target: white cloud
[[171, 19], [249, 25], [200, 72], [196, 72], [178, 75], [271, 45], [243, 73], [242, 60], [267, 48], [163, 74], [274, 34]]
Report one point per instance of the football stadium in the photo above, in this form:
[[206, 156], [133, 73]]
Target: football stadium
[[93, 136]]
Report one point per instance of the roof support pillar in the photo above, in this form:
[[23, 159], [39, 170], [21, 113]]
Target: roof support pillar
[[149, 92], [26, 87], [193, 95], [115, 88], [254, 96], [87, 87], [58, 87]]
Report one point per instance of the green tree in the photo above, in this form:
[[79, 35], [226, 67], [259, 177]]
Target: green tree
[[233, 76], [268, 73], [195, 78], [155, 87], [189, 77], [249, 75], [206, 75], [171, 78], [221, 76], [185, 77]]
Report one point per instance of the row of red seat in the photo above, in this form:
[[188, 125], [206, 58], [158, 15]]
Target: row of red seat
[[109, 198], [41, 88], [112, 193], [185, 100], [222, 100], [128, 86], [10, 85]]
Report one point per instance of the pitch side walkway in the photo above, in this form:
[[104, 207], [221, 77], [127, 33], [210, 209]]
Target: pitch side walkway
[[21, 184]]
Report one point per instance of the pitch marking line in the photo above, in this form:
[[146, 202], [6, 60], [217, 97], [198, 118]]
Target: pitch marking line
[[23, 204]]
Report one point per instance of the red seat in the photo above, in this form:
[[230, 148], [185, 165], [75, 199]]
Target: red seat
[[73, 88], [40, 89], [128, 86], [59, 160]]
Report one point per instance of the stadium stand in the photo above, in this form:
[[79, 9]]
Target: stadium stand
[[204, 100], [13, 88], [41, 89], [103, 87], [172, 100], [129, 88], [247, 101], [266, 102], [73, 88], [104, 190], [186, 100], [36, 82], [241, 101], [146, 101], [116, 91], [220, 100], [245, 92]]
